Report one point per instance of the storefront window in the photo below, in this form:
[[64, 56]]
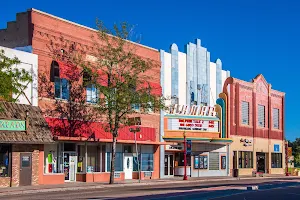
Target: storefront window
[[147, 161], [5, 153], [276, 160], [245, 159], [179, 157], [118, 162], [135, 163], [51, 159]]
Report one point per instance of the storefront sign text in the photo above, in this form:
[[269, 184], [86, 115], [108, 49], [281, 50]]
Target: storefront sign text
[[192, 110], [12, 125], [193, 124]]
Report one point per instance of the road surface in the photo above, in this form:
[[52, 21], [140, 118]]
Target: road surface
[[223, 190]]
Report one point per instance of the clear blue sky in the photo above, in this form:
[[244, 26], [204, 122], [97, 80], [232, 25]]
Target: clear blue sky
[[249, 36]]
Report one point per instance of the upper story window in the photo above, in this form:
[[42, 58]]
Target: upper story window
[[261, 116], [92, 94], [61, 85], [245, 112], [275, 118]]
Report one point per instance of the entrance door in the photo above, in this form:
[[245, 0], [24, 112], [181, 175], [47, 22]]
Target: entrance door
[[261, 162], [25, 169], [169, 165], [128, 166], [70, 163]]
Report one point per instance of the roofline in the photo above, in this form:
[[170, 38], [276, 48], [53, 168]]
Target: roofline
[[82, 26]]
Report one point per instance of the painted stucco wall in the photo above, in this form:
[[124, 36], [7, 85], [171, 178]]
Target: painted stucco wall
[[29, 62]]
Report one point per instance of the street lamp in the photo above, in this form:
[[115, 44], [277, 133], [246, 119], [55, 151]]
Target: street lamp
[[136, 121]]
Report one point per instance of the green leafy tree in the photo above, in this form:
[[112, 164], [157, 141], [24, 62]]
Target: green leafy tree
[[123, 79], [12, 79]]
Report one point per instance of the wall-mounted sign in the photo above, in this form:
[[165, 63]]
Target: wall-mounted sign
[[193, 124], [246, 142], [195, 110], [223, 162], [12, 125], [276, 148], [174, 147]]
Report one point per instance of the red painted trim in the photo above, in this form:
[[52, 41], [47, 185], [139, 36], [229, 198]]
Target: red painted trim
[[237, 108], [283, 118], [254, 117], [231, 112]]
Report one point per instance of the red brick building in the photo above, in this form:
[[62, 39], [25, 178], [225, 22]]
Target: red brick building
[[256, 125], [78, 158]]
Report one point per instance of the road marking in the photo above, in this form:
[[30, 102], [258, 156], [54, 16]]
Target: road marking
[[294, 194]]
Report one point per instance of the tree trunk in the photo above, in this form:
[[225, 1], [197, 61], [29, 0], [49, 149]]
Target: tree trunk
[[112, 160]]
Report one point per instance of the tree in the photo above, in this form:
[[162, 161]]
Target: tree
[[12, 79], [122, 77], [72, 112]]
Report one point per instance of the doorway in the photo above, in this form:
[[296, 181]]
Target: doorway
[[70, 163], [169, 165], [25, 169], [128, 166], [261, 162]]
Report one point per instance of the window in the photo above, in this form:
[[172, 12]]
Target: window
[[147, 162], [276, 160], [135, 163], [275, 118], [5, 159], [118, 162], [245, 159], [92, 94], [61, 88], [214, 161], [261, 116], [136, 107], [245, 112]]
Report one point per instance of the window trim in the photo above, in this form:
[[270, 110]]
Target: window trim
[[278, 119], [264, 116], [242, 122]]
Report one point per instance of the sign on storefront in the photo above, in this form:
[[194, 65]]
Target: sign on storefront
[[193, 124], [276, 148], [195, 110], [12, 125]]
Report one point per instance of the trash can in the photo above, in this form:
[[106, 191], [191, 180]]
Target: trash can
[[235, 172]]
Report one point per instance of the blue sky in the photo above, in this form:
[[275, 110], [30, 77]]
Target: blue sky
[[249, 36]]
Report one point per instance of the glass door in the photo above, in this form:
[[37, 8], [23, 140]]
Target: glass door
[[169, 165]]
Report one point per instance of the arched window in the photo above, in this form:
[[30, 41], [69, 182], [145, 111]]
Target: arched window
[[61, 85]]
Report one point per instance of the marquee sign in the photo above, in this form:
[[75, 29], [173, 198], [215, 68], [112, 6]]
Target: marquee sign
[[193, 124], [12, 125], [195, 110]]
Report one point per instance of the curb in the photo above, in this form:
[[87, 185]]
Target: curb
[[59, 189]]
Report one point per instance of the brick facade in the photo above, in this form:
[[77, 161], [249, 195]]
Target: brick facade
[[17, 149], [261, 139]]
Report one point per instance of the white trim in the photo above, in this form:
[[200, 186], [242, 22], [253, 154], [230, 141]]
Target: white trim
[[82, 26]]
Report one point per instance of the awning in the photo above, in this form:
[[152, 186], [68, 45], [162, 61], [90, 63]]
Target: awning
[[37, 131], [96, 130], [154, 88], [69, 71]]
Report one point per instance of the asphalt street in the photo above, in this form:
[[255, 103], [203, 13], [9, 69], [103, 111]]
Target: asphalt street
[[223, 190]]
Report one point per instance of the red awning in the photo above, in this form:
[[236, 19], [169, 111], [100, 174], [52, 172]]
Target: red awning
[[155, 88], [69, 71], [61, 127]]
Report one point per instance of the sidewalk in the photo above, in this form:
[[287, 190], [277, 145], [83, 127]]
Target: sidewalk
[[126, 183]]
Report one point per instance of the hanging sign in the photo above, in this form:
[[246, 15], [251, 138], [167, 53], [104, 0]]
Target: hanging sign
[[12, 125]]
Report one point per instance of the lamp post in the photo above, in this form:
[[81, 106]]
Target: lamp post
[[286, 159], [137, 121], [184, 156]]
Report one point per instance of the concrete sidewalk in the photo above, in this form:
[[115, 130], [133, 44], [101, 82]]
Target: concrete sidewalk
[[127, 183]]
